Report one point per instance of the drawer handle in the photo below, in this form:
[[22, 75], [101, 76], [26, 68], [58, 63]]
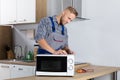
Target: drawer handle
[[4, 66]]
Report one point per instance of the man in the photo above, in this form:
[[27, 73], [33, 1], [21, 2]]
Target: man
[[52, 35]]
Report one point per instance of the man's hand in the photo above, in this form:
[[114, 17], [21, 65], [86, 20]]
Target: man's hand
[[60, 52], [68, 50]]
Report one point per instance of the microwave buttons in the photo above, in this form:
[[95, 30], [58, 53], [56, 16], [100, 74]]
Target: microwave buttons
[[70, 61], [70, 67]]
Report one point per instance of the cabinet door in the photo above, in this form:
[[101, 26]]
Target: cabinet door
[[17, 11], [78, 5], [67, 3], [54, 7], [25, 11], [4, 71], [8, 11], [21, 71], [41, 9]]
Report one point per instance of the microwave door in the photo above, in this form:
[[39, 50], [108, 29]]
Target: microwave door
[[51, 64]]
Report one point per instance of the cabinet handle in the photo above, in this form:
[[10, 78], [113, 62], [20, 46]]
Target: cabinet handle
[[13, 21], [4, 66], [25, 20], [22, 20], [20, 68]]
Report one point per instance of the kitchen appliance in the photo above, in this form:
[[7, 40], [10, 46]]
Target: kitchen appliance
[[55, 65]]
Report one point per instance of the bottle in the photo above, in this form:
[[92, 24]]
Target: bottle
[[31, 55], [35, 51], [28, 56]]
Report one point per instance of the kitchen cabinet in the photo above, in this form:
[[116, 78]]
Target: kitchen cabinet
[[26, 11], [56, 6], [41, 9], [5, 39], [7, 11], [22, 71], [15, 71], [22, 11], [4, 71], [17, 11]]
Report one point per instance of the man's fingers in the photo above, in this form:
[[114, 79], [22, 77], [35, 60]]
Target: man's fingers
[[61, 52]]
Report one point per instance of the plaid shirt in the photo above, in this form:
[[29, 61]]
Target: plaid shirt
[[45, 28]]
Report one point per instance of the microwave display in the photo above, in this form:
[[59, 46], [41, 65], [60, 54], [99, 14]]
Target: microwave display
[[51, 64]]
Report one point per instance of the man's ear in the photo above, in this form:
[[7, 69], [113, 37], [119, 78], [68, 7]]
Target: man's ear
[[63, 12]]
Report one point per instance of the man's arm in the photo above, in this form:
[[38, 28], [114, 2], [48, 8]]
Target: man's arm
[[45, 46]]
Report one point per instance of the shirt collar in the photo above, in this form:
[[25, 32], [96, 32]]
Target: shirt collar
[[54, 18]]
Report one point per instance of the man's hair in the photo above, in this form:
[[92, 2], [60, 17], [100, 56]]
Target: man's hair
[[72, 10]]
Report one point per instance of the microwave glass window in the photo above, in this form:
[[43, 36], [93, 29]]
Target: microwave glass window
[[51, 64]]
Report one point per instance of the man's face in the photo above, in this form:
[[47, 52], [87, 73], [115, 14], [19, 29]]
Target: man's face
[[67, 17]]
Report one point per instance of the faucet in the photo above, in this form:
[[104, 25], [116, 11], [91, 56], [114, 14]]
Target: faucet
[[19, 56]]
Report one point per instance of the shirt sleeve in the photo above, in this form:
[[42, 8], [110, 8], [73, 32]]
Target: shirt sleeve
[[41, 30]]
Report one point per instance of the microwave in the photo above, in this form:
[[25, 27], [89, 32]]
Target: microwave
[[54, 65]]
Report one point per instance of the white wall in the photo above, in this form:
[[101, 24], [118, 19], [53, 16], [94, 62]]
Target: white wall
[[96, 40]]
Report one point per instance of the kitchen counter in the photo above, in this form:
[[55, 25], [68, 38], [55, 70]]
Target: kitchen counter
[[93, 72], [18, 62]]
